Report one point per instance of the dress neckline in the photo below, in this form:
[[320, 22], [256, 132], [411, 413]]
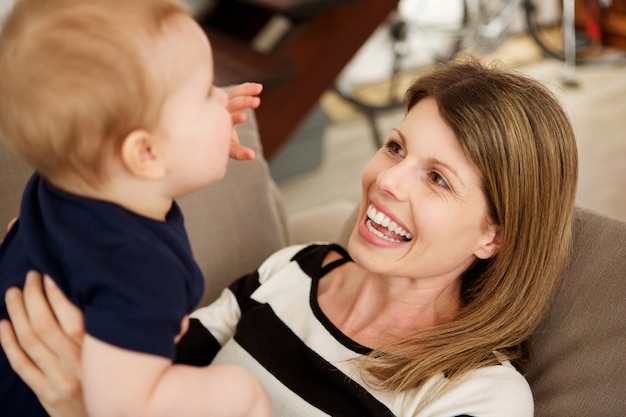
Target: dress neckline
[[315, 307]]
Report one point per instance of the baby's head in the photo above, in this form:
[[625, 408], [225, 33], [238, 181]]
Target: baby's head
[[77, 76]]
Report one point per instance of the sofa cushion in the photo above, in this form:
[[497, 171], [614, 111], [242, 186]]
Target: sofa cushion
[[577, 366], [14, 174]]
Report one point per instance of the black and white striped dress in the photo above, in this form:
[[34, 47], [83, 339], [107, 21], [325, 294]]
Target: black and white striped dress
[[270, 323]]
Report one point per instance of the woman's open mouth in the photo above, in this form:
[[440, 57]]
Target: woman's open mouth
[[385, 228]]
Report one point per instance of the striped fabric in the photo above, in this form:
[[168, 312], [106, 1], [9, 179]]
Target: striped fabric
[[270, 323]]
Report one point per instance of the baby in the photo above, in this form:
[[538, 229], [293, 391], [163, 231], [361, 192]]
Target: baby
[[113, 103]]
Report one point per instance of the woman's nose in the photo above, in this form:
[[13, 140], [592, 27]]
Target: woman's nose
[[394, 181]]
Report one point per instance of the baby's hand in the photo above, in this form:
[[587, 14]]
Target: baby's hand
[[243, 96]]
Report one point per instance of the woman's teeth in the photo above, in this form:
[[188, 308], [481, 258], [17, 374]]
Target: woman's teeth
[[398, 234]]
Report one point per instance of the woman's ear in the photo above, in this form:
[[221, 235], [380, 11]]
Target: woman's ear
[[140, 155], [493, 241]]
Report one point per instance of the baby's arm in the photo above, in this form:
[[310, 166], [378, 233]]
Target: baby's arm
[[46, 355], [120, 382]]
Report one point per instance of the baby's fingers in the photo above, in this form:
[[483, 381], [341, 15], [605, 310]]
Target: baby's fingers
[[244, 96], [245, 89]]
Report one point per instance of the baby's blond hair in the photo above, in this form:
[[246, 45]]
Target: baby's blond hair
[[74, 81]]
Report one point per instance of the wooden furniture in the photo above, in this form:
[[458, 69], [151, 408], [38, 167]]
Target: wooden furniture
[[297, 8], [323, 36], [613, 23], [610, 22]]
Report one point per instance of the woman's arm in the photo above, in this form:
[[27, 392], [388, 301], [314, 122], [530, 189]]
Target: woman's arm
[[45, 352], [11, 223]]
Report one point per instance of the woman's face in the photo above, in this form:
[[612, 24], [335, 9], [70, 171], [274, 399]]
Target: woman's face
[[423, 212]]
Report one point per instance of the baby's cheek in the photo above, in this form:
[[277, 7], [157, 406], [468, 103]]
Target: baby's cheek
[[184, 326]]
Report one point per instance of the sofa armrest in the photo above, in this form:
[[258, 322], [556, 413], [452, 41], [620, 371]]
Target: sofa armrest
[[330, 222], [577, 366]]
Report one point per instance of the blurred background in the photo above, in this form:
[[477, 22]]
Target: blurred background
[[334, 71], [593, 93], [321, 162]]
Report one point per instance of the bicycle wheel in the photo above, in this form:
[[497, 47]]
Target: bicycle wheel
[[490, 22], [548, 35], [420, 33]]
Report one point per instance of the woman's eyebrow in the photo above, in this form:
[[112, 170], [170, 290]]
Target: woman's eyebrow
[[402, 137]]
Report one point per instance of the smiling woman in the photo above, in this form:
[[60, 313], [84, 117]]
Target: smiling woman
[[457, 252], [499, 198]]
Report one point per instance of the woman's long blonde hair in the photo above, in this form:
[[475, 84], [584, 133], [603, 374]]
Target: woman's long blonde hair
[[518, 136]]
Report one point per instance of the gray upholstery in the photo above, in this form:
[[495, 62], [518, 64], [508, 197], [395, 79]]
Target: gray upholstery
[[578, 368], [13, 176]]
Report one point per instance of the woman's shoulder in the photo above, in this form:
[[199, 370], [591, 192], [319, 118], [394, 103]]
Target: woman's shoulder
[[492, 390], [503, 381], [302, 254], [280, 258]]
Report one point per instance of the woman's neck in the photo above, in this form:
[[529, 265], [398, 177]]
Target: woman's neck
[[374, 310]]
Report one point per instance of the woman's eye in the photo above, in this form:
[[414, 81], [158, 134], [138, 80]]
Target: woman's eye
[[394, 147], [438, 180]]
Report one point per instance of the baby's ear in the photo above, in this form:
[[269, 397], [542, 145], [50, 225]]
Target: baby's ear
[[140, 156]]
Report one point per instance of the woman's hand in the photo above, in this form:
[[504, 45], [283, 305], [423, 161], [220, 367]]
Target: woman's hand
[[243, 96], [45, 352], [11, 223]]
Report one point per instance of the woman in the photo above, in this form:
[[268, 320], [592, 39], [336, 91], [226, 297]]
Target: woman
[[460, 245]]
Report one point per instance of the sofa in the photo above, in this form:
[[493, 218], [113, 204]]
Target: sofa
[[578, 365]]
